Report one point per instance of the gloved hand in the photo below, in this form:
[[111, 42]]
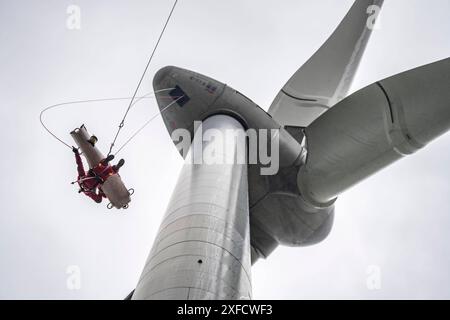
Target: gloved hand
[[75, 150]]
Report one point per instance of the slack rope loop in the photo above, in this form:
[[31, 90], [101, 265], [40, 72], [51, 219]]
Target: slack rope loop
[[64, 104], [122, 123]]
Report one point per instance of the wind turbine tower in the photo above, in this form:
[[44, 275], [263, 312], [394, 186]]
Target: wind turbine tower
[[222, 217]]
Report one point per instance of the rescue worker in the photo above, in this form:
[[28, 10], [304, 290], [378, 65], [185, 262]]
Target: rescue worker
[[90, 183]]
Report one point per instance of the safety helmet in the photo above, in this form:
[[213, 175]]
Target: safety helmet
[[93, 140]]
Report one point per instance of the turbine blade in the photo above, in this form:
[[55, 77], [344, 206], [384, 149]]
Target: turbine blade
[[326, 77], [374, 127]]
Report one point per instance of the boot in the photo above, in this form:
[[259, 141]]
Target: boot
[[108, 159], [118, 165]]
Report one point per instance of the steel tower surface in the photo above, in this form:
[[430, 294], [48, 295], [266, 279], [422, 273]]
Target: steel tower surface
[[202, 250], [224, 217]]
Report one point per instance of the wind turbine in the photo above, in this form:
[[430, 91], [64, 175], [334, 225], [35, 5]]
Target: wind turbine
[[224, 217]]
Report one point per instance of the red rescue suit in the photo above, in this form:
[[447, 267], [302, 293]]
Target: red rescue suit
[[90, 183]]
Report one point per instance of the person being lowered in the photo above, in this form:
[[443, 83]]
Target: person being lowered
[[91, 182]]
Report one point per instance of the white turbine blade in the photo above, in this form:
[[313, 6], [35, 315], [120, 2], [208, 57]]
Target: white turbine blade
[[374, 127], [326, 77]]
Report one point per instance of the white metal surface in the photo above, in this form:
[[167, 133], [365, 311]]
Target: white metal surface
[[202, 250], [326, 77], [373, 128], [278, 213], [346, 144]]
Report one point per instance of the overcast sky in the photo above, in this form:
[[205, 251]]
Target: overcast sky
[[397, 221]]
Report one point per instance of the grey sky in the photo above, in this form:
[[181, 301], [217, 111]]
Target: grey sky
[[397, 220]]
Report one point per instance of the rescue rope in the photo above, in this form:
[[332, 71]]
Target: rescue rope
[[146, 96], [122, 123], [146, 124]]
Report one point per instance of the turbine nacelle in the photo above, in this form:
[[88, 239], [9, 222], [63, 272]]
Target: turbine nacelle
[[278, 213]]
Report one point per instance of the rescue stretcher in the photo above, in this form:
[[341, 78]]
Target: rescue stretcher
[[113, 187]]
